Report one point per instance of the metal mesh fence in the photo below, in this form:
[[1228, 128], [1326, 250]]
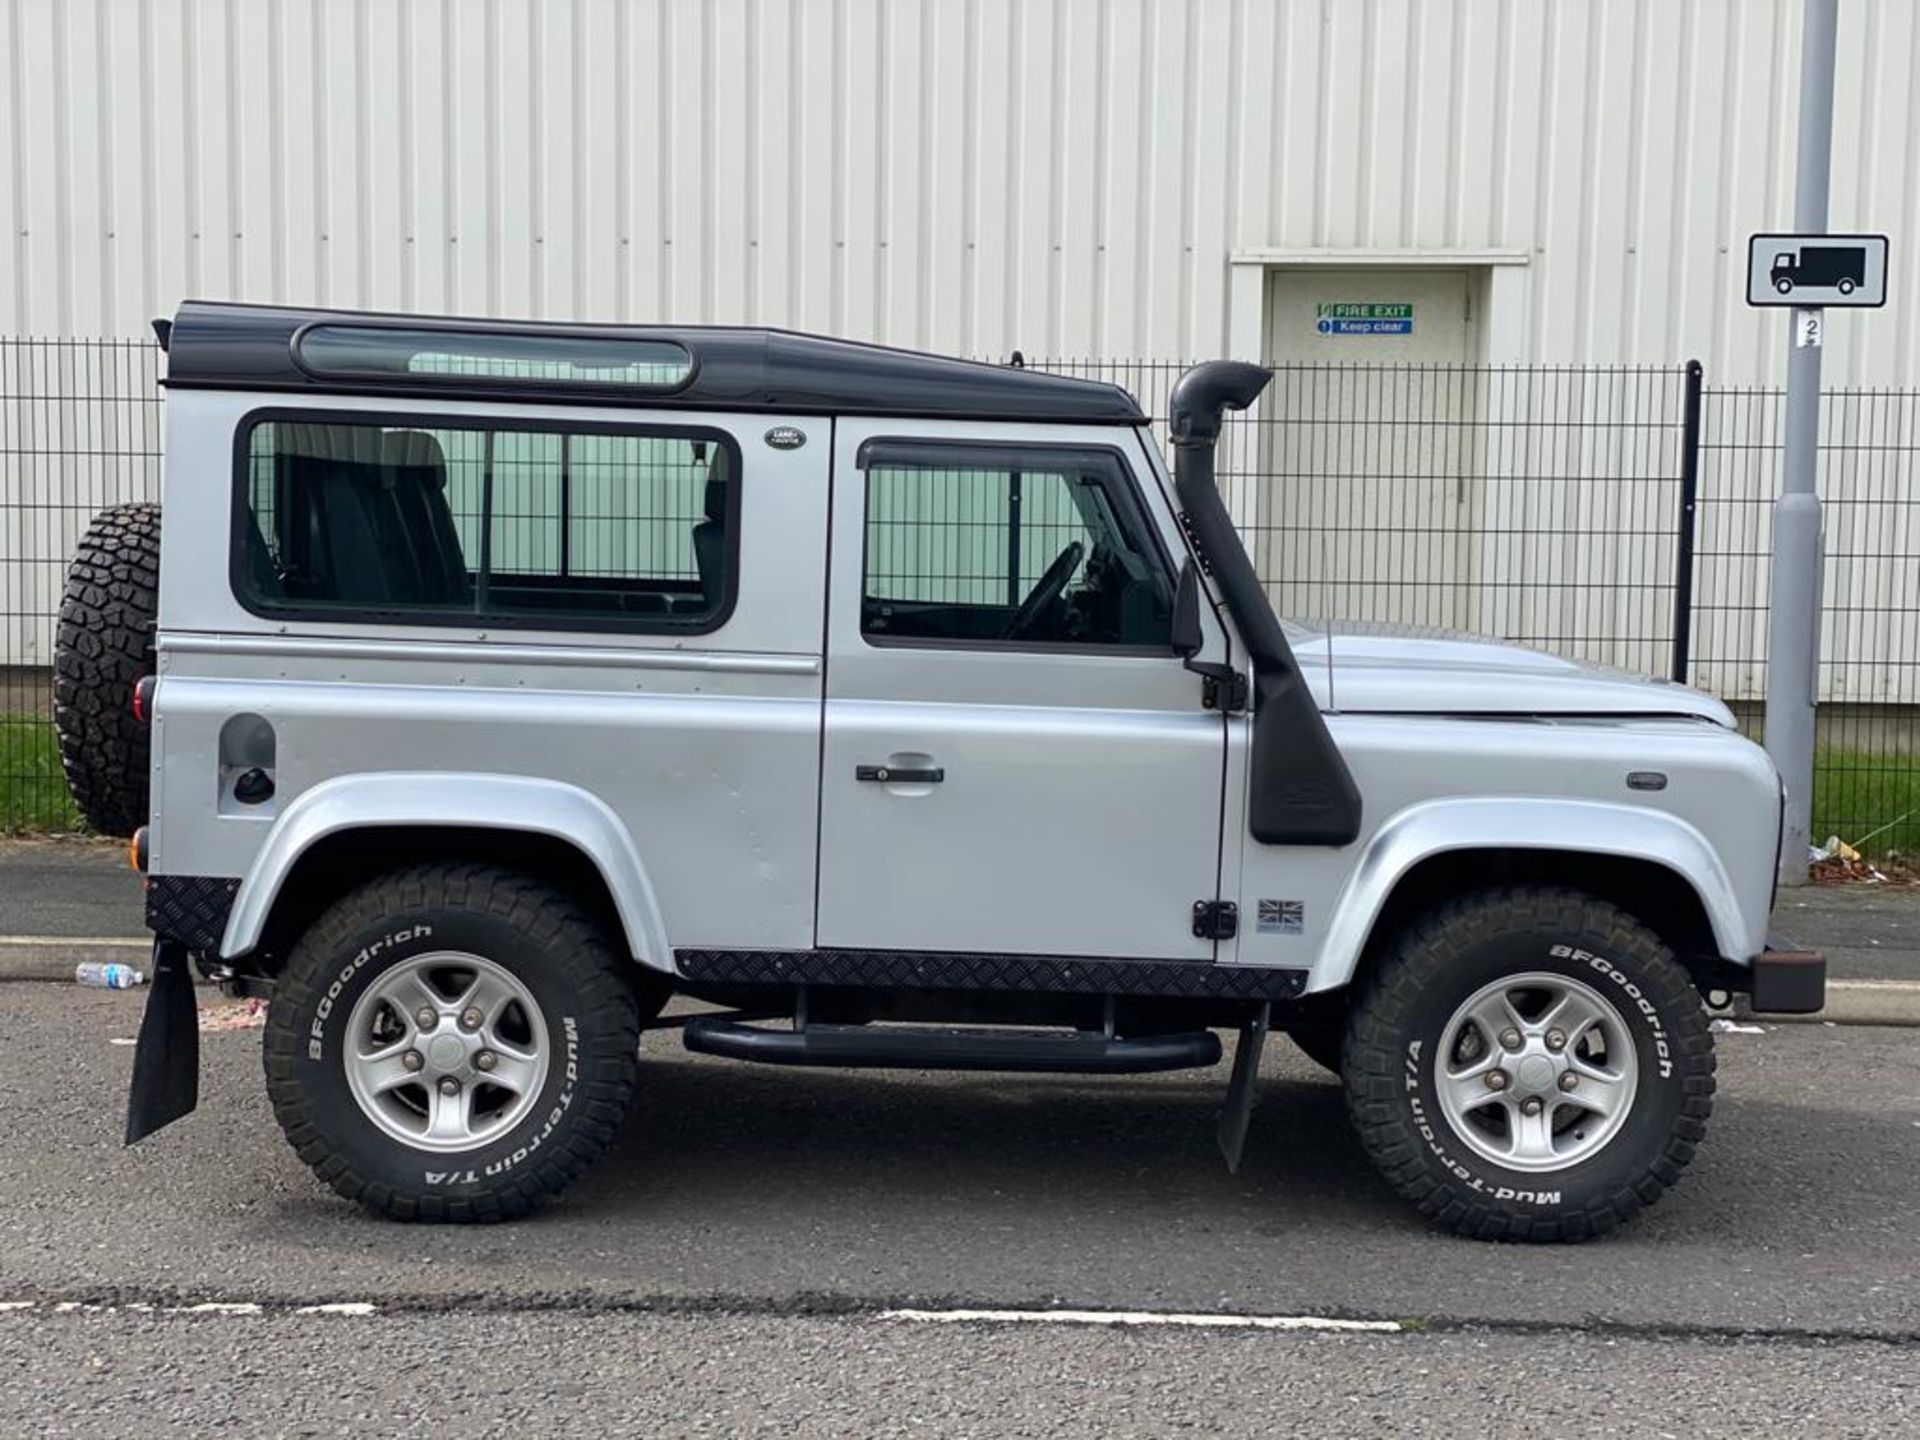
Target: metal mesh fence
[[1867, 760], [79, 431], [1544, 505], [1536, 504]]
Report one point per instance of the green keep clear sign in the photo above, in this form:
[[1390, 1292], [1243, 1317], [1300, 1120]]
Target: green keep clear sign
[[1370, 317]]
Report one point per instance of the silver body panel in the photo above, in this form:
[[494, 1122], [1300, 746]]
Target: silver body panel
[[1089, 802]]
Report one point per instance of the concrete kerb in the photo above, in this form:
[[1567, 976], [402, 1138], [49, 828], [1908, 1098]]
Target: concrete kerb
[[51, 958]]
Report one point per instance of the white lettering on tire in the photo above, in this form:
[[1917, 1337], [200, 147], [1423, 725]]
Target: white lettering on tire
[[1662, 1049], [562, 1103], [1428, 1133], [316, 1036]]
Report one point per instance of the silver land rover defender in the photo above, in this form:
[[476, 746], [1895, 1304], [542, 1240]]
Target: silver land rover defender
[[510, 680]]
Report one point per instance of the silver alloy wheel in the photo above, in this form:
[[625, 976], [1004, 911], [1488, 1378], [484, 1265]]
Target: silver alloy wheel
[[1554, 1098], [451, 1084]]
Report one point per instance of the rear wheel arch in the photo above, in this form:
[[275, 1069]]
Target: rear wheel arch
[[364, 823], [341, 862]]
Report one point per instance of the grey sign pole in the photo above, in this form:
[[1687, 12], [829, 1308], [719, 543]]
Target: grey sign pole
[[1793, 635]]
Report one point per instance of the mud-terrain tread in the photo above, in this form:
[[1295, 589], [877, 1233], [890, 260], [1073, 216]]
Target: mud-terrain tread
[[1404, 985], [102, 644], [549, 918]]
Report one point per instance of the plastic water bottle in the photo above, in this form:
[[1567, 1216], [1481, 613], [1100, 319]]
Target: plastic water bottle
[[107, 977]]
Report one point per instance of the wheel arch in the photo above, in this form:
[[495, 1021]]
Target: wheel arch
[[345, 830], [1654, 866]]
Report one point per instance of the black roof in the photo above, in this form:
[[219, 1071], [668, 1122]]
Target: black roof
[[256, 347]]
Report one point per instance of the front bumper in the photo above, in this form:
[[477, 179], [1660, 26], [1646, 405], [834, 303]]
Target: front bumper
[[1788, 982]]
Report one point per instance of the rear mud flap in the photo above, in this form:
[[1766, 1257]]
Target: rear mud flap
[[166, 1063]]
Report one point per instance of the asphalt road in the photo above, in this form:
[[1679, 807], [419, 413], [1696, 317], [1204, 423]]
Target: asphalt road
[[728, 1265]]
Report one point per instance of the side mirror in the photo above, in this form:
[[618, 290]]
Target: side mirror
[[1187, 636]]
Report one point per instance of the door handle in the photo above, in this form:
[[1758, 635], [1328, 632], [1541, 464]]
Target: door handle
[[892, 775]]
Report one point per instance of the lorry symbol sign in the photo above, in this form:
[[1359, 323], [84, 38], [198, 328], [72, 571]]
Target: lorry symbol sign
[[1815, 270]]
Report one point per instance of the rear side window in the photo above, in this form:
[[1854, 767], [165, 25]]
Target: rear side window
[[418, 522], [1005, 545]]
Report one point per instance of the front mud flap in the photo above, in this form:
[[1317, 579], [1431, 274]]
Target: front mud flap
[[166, 1063], [1238, 1113]]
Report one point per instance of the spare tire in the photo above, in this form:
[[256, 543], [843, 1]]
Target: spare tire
[[103, 645]]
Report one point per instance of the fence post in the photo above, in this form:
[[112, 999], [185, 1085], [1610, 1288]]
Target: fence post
[[1689, 499]]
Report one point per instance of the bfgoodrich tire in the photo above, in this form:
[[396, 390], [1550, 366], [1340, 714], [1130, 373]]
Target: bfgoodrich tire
[[1460, 1051], [451, 1043], [102, 645]]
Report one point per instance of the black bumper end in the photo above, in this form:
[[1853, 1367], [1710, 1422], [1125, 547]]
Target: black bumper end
[[1789, 982], [166, 1063]]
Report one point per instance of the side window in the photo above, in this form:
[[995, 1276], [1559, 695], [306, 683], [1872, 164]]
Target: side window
[[423, 523], [1039, 547]]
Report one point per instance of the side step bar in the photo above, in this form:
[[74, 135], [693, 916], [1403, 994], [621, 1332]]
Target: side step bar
[[920, 1048]]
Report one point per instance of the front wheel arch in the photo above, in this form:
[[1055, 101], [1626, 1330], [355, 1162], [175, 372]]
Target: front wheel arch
[[1660, 898]]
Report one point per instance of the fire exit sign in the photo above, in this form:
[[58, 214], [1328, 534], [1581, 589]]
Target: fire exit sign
[[1370, 317]]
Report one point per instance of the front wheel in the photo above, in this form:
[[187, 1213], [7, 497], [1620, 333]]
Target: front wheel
[[451, 1042], [1530, 1064]]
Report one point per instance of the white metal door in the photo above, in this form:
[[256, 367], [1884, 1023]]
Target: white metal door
[[1032, 797], [1369, 474]]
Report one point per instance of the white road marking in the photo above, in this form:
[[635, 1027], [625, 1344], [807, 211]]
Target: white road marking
[[1146, 1317], [216, 1307], [253, 1309], [1897, 986]]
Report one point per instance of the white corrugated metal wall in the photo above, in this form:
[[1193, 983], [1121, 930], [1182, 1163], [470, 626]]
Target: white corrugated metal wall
[[1101, 178], [1067, 176]]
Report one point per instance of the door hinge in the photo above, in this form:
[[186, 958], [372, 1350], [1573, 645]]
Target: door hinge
[[1216, 919], [1224, 690]]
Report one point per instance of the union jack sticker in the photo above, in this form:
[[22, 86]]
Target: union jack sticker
[[1282, 917]]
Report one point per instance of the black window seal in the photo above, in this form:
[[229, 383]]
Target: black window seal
[[1106, 465], [560, 622]]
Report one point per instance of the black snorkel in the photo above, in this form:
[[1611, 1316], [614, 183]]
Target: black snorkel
[[1300, 791]]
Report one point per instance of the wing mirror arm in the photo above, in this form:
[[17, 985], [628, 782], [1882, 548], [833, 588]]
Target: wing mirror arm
[[1223, 687]]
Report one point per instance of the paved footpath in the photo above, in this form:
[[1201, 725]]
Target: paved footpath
[[738, 1260]]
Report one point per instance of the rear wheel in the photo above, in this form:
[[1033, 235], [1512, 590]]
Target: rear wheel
[[1530, 1064], [102, 645], [452, 1043]]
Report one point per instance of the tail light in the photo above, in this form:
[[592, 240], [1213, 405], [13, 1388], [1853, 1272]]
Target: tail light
[[143, 689]]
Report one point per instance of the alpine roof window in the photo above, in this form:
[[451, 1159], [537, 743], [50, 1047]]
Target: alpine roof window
[[382, 351]]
